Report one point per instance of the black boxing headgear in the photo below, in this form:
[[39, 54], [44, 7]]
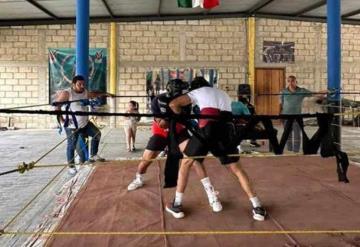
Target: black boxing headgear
[[199, 82], [176, 87]]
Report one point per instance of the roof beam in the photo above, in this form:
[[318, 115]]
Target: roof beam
[[43, 9], [108, 8], [311, 7], [352, 13], [306, 18], [159, 8], [258, 6], [99, 19]]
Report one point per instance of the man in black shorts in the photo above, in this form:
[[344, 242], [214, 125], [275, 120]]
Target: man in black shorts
[[214, 136], [159, 140]]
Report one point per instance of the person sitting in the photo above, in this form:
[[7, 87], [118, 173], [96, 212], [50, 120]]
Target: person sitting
[[251, 109], [238, 108]]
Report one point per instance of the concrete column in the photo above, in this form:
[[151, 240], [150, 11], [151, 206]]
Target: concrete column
[[82, 38], [251, 55], [113, 71], [334, 61]]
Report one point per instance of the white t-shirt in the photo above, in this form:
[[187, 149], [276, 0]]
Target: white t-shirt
[[76, 106], [209, 97]]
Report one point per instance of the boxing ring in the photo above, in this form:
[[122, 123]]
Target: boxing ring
[[306, 205]]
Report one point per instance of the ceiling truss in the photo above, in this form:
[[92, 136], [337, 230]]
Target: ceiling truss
[[255, 11]]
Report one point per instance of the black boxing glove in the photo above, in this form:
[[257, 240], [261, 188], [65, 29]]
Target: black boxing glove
[[163, 101]]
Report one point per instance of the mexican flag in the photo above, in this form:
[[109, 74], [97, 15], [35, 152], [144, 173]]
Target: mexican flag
[[205, 4]]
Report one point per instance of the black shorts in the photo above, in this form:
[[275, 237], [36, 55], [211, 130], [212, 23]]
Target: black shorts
[[159, 143], [183, 135], [213, 138]]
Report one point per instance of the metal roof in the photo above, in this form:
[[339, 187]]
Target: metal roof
[[38, 12]]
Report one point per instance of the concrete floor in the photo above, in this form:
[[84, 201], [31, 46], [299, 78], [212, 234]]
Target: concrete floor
[[16, 190], [18, 146]]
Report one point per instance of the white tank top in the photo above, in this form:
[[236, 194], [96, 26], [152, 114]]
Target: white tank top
[[210, 97], [76, 106]]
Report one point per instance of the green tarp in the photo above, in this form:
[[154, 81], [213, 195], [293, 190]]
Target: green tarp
[[62, 69]]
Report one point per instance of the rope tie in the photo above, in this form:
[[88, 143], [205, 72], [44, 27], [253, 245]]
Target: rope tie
[[22, 168]]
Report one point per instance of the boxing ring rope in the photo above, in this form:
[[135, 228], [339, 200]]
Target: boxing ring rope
[[32, 165], [182, 233], [26, 167]]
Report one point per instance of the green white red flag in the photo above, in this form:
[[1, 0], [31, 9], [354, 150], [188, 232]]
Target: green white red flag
[[205, 4]]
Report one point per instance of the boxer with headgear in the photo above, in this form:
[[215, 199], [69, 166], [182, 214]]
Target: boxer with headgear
[[214, 136], [160, 139]]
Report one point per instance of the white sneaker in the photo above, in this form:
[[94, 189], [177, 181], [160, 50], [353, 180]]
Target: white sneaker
[[175, 211], [135, 184], [216, 205], [214, 201], [72, 171], [96, 158], [259, 213]]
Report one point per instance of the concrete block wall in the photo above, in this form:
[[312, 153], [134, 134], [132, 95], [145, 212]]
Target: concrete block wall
[[310, 65], [310, 50], [219, 44], [24, 67]]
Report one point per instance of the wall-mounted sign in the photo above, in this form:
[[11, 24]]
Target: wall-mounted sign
[[278, 52]]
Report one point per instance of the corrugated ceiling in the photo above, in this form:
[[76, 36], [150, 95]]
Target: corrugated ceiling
[[37, 12]]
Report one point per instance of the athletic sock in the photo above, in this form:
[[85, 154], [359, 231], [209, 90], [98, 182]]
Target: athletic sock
[[255, 202], [208, 187], [206, 182], [178, 198], [139, 176]]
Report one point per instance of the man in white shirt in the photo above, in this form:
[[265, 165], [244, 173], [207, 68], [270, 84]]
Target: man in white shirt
[[79, 125], [214, 136]]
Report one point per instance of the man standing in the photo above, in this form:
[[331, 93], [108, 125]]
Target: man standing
[[76, 126], [290, 103], [214, 136]]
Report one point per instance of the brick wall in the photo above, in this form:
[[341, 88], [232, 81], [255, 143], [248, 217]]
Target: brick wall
[[219, 44], [23, 66], [310, 65]]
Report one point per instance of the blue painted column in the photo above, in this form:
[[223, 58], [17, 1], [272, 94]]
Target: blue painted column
[[82, 51], [82, 38], [334, 61]]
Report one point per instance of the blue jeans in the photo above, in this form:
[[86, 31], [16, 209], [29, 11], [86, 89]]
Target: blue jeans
[[294, 141], [89, 130]]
